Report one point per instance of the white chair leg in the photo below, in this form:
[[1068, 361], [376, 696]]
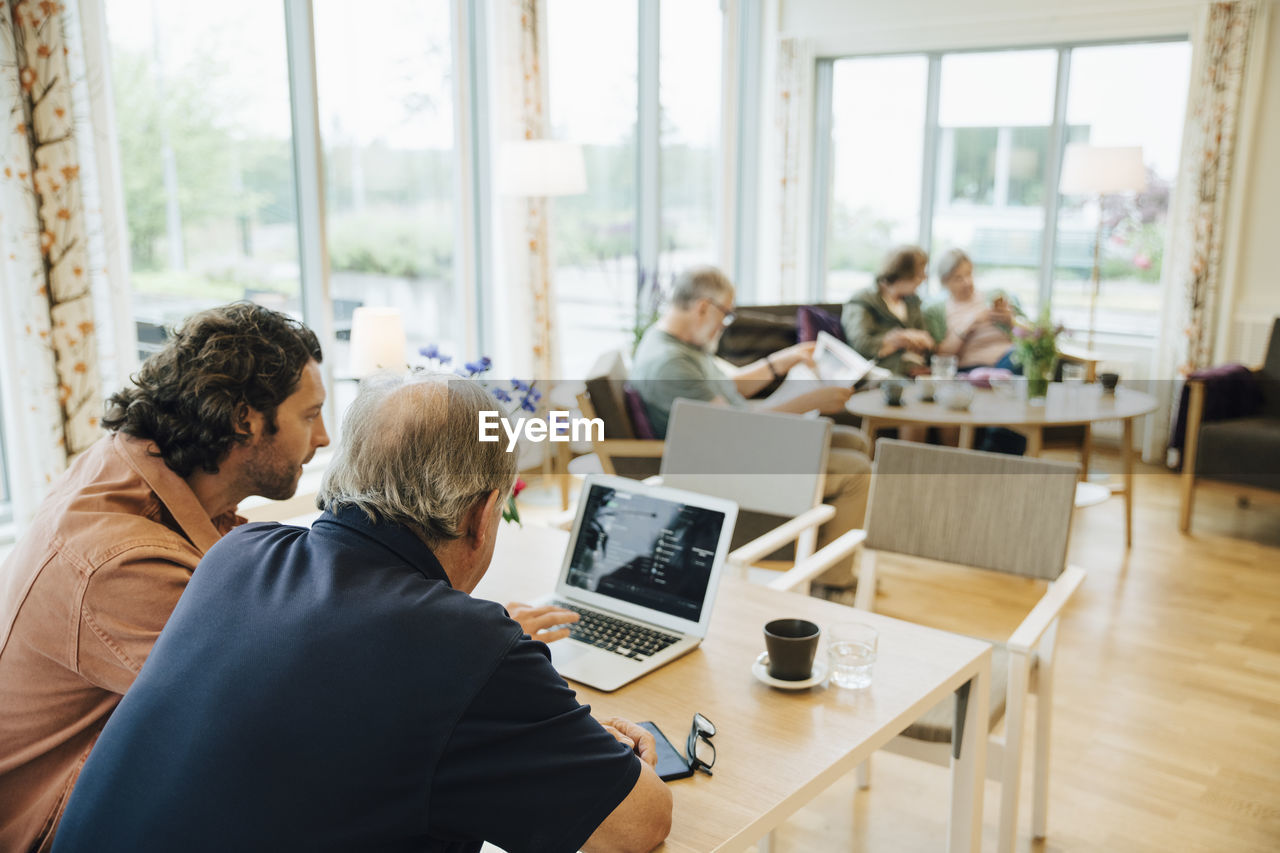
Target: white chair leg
[[765, 845], [1011, 774], [864, 775], [1044, 717]]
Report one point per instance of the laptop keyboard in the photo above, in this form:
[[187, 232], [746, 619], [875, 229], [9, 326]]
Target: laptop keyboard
[[616, 635]]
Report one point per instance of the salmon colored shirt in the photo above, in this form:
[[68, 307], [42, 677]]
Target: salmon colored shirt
[[83, 597]]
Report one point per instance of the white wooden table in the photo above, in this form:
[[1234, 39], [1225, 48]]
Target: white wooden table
[[776, 750]]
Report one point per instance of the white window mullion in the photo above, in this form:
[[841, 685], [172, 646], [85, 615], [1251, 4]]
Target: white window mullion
[[649, 142], [473, 201], [308, 165], [1052, 170]]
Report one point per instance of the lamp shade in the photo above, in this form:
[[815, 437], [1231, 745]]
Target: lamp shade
[[1089, 169], [541, 167], [377, 341]]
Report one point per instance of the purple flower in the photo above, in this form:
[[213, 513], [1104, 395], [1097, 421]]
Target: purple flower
[[1021, 332], [501, 395], [430, 351], [517, 385], [527, 405], [475, 367], [486, 362]]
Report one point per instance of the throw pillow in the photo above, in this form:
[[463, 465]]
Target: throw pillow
[[810, 321]]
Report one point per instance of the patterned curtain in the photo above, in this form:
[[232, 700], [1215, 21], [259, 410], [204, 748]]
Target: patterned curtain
[[792, 118], [531, 123], [1212, 119], [51, 379]]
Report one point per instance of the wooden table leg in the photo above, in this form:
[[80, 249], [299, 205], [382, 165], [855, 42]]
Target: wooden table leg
[[1035, 440], [969, 768], [966, 436], [1126, 454], [1086, 449], [869, 427]]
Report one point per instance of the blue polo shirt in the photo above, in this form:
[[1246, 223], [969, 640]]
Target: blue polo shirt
[[327, 689]]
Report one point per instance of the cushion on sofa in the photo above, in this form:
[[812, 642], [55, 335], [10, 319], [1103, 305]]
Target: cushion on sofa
[[810, 320]]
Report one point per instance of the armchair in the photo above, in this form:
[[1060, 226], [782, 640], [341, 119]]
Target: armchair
[[1230, 417], [629, 449]]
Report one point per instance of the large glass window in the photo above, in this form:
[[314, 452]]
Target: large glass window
[[877, 138], [991, 171], [592, 90], [201, 94], [1123, 95], [994, 114], [387, 125], [689, 98]]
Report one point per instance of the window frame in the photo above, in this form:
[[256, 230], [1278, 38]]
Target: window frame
[[823, 151]]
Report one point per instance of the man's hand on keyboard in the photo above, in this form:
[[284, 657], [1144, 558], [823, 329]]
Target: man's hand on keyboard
[[537, 620]]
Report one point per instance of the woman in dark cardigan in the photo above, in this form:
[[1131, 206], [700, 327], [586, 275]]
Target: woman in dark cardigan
[[885, 321]]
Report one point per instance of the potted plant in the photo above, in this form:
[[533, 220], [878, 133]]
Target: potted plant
[[1035, 348]]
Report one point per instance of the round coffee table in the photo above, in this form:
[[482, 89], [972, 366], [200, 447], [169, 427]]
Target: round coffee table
[[1079, 405]]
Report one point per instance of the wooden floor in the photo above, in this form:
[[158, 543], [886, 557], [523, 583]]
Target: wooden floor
[[1167, 715]]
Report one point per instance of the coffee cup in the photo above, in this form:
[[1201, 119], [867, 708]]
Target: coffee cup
[[1109, 382], [792, 645], [892, 391]]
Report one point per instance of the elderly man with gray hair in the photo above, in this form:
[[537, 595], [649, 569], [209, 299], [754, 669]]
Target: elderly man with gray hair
[[339, 688], [675, 360]]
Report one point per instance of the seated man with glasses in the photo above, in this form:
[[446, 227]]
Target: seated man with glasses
[[674, 360]]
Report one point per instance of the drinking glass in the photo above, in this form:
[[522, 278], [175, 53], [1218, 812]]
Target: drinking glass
[[852, 652], [943, 366]]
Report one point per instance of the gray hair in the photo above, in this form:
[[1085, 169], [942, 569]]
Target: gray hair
[[951, 259], [410, 453], [699, 283]]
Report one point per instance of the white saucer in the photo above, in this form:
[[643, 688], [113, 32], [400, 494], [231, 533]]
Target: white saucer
[[760, 669]]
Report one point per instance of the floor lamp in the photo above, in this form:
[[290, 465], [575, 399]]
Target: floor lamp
[[1099, 171], [538, 169]]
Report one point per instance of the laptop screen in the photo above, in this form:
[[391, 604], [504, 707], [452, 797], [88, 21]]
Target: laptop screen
[[646, 551]]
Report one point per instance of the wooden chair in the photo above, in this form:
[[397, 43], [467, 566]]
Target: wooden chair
[[774, 467], [621, 452], [999, 513]]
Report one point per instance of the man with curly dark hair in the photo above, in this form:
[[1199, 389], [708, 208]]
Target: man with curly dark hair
[[231, 407]]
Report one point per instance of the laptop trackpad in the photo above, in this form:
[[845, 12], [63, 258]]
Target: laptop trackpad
[[564, 651]]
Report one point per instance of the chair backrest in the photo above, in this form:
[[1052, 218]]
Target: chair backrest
[[1006, 513], [605, 389], [767, 462]]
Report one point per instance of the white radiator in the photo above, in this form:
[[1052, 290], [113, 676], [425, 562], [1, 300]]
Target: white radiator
[[1248, 342]]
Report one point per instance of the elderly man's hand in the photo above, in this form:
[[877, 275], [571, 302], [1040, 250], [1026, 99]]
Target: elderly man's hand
[[633, 736], [785, 359], [537, 620]]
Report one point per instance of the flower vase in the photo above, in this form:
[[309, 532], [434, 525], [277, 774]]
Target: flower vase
[[1038, 375]]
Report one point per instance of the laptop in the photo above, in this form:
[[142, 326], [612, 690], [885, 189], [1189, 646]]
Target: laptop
[[641, 570]]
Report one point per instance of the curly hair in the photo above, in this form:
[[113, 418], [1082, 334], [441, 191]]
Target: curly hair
[[187, 398]]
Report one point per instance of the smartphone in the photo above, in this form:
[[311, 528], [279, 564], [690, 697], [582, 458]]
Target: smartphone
[[671, 764]]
